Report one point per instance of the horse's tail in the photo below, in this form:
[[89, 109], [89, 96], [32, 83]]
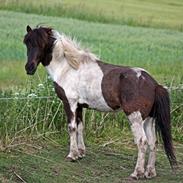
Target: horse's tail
[[161, 113]]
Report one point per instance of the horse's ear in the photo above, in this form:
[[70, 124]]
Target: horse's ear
[[28, 29]]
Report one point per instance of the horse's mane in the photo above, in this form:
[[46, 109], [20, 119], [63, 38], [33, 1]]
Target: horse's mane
[[72, 50]]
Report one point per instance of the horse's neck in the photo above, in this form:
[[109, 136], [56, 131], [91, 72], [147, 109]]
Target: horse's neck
[[57, 69]]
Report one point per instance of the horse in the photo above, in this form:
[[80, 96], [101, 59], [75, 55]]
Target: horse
[[82, 80]]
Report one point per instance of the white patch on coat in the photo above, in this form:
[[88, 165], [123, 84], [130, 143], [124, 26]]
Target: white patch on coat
[[140, 139], [73, 152], [138, 71], [149, 127], [80, 139], [72, 126], [82, 85], [136, 122], [89, 88]]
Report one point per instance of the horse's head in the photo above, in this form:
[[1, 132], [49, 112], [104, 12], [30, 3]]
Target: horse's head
[[39, 43]]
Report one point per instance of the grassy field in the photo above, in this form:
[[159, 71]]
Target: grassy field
[[158, 51], [149, 13], [144, 34]]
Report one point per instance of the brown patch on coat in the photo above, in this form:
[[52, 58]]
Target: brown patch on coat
[[79, 111], [137, 93], [111, 83], [61, 94], [122, 88]]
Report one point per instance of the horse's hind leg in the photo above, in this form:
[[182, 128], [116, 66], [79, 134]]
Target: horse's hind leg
[[149, 127], [80, 139], [136, 122]]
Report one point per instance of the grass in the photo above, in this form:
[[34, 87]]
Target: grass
[[158, 51], [33, 131], [150, 13], [30, 163]]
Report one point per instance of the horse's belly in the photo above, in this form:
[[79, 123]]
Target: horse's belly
[[94, 99], [98, 105]]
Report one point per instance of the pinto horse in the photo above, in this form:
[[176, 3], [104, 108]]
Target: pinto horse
[[81, 80]]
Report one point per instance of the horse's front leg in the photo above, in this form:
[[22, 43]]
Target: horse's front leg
[[72, 129], [70, 106], [80, 139]]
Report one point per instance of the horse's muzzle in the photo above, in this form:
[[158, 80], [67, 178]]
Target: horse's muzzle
[[30, 68]]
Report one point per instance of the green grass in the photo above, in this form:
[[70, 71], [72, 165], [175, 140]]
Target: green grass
[[32, 164], [25, 123], [149, 13], [158, 51]]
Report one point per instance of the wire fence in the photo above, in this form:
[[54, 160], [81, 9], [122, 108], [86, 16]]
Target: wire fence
[[25, 98], [178, 88]]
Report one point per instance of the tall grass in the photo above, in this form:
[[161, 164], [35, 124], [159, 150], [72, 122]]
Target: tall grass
[[161, 14], [36, 112], [158, 51]]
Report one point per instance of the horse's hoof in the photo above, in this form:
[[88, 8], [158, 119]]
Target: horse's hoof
[[71, 159], [81, 153], [137, 175], [150, 173]]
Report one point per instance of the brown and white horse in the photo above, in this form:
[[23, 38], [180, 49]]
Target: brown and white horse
[[82, 80]]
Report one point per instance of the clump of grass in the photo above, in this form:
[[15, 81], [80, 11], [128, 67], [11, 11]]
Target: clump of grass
[[28, 112], [176, 112]]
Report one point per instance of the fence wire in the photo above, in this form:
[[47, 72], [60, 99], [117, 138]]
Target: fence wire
[[170, 89], [25, 98]]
